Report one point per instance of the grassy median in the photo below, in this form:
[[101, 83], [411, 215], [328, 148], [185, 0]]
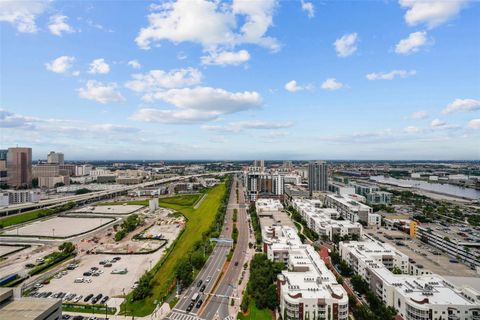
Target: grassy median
[[199, 221]]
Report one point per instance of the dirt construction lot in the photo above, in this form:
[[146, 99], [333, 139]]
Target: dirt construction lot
[[4, 250], [60, 227], [119, 209], [107, 283]]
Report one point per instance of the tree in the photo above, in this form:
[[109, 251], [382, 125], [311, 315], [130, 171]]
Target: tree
[[184, 272], [197, 259], [66, 247], [396, 270]]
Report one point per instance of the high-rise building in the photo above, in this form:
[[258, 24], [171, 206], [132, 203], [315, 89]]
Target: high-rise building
[[55, 158], [317, 176], [19, 167]]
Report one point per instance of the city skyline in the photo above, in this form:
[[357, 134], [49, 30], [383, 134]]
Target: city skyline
[[272, 80]]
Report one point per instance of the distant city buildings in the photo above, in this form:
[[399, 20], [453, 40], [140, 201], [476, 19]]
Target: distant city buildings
[[317, 176], [55, 158]]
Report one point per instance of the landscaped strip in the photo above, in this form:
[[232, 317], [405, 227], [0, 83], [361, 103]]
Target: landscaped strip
[[32, 215], [200, 224]]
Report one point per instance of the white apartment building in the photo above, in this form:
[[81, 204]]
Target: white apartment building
[[416, 297], [307, 289], [292, 179], [349, 208], [83, 170], [23, 196], [323, 220]]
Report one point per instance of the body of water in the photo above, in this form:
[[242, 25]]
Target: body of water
[[444, 188]]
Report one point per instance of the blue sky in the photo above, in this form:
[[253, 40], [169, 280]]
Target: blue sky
[[195, 79]]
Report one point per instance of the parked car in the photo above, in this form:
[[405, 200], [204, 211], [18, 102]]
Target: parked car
[[105, 299], [88, 297]]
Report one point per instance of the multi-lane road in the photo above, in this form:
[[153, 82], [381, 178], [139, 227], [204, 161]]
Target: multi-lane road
[[217, 306], [215, 297]]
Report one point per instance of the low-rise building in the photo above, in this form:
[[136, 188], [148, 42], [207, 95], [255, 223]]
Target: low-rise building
[[324, 220], [23, 196], [12, 307], [349, 208], [415, 297]]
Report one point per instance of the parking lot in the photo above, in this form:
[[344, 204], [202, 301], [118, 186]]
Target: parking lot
[[106, 283], [62, 227], [422, 254]]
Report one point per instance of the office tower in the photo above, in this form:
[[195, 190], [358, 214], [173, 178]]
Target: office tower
[[19, 167], [317, 176], [55, 158]]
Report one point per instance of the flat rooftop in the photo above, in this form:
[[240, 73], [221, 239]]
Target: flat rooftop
[[26, 308], [115, 209]]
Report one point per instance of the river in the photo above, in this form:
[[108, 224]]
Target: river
[[443, 188]]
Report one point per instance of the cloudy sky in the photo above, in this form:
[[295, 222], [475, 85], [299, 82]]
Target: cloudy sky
[[197, 79]]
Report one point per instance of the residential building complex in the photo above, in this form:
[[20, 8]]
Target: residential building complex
[[416, 297], [324, 220], [352, 210], [307, 289]]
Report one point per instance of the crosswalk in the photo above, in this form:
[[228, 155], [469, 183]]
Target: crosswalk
[[175, 315]]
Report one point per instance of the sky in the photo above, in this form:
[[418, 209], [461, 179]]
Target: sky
[[241, 79]]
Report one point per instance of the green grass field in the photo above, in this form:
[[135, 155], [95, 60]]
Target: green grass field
[[20, 218], [255, 313], [183, 200], [199, 221]]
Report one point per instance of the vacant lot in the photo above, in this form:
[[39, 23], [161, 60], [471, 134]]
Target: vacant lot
[[4, 250], [62, 227], [106, 209], [199, 220], [183, 200]]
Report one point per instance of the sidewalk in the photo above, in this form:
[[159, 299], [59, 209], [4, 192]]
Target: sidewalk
[[158, 314]]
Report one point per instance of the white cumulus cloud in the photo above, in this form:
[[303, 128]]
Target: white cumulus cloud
[[431, 12], [198, 104], [100, 92], [412, 43], [390, 75], [159, 80], [346, 45], [419, 115], [224, 58], [331, 84], [61, 64], [212, 24], [474, 124], [22, 14], [99, 66], [308, 8], [58, 25], [292, 86], [134, 64], [464, 105]]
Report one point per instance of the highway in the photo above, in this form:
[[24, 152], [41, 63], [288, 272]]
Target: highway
[[213, 267], [98, 195], [217, 306]]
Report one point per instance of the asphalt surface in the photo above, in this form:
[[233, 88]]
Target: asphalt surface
[[212, 268], [217, 306]]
